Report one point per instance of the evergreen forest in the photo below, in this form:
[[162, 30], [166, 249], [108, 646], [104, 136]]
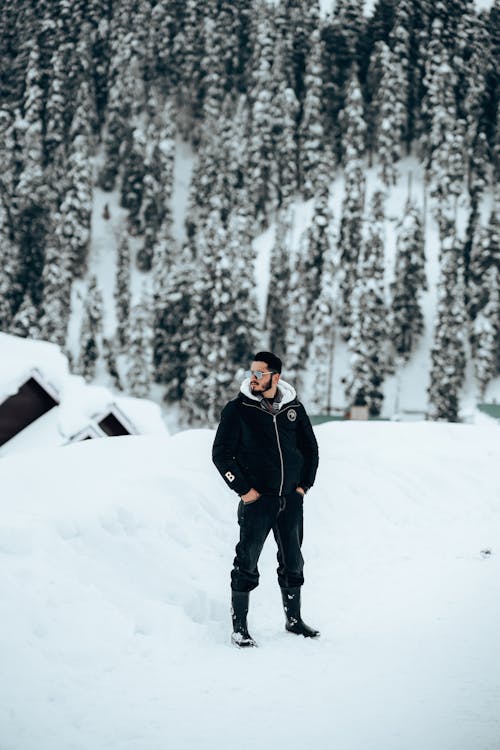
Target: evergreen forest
[[274, 99]]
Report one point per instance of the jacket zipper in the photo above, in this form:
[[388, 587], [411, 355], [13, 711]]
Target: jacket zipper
[[281, 454], [251, 406]]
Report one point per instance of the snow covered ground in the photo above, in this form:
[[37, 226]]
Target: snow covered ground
[[114, 599]]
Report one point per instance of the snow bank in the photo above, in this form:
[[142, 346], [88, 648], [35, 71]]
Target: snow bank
[[114, 598]]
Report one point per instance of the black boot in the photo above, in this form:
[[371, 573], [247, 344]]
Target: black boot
[[294, 622], [240, 636]]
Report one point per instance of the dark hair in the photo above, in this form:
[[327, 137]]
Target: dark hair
[[271, 360]]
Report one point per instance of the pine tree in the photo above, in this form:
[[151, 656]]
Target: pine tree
[[448, 350], [76, 207], [296, 21], [245, 316], [285, 146], [10, 290], [341, 34], [401, 42], [56, 120], [368, 342], [444, 145], [277, 309], [30, 129], [158, 184], [221, 325], [126, 91], [25, 321], [140, 347], [285, 114], [390, 115], [187, 54], [306, 282], [353, 202], [132, 187], [311, 131], [407, 320], [485, 337], [485, 253], [319, 365], [262, 182], [173, 325], [483, 302], [91, 332], [122, 290], [220, 168], [57, 281]]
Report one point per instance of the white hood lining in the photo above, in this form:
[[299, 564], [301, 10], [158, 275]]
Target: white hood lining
[[287, 392]]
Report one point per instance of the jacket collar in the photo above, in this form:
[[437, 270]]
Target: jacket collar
[[286, 390]]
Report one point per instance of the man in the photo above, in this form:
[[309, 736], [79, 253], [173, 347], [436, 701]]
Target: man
[[266, 452]]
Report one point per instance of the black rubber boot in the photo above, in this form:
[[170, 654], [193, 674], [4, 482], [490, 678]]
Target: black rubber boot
[[294, 622], [240, 636]]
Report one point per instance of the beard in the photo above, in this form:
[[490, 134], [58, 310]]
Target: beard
[[260, 387]]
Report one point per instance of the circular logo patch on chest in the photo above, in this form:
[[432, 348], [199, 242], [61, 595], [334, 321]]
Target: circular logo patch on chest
[[292, 415]]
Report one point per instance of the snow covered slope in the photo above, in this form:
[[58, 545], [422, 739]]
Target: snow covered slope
[[114, 598]]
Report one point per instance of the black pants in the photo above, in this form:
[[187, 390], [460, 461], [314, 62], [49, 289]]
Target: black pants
[[284, 515]]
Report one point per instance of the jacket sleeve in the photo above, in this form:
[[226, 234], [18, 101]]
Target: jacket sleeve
[[225, 448], [308, 446]]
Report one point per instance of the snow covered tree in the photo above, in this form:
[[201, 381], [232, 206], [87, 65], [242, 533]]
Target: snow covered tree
[[311, 131], [390, 115], [277, 309], [32, 227], [56, 119], [448, 349], [485, 338], [132, 187], [140, 347], [125, 86], [285, 146], [306, 281], [369, 337], [122, 290], [400, 42], [173, 325], [10, 289], [220, 167], [295, 22], [285, 114], [222, 330], [187, 53], [341, 33], [407, 320], [76, 207], [483, 302], [353, 202], [245, 316], [485, 253], [25, 321], [91, 331], [319, 364], [158, 183], [262, 179], [30, 129], [444, 144], [57, 279]]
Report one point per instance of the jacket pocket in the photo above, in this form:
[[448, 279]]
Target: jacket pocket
[[251, 502]]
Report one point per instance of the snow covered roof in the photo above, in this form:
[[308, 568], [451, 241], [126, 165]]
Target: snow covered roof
[[33, 399], [82, 411]]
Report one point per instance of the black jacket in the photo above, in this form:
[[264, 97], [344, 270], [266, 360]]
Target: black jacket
[[269, 452]]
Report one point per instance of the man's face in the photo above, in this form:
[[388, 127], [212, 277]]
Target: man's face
[[265, 383]]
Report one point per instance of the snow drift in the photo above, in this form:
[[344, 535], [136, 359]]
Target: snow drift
[[114, 603]]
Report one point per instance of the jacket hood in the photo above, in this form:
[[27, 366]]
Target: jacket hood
[[287, 392]]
